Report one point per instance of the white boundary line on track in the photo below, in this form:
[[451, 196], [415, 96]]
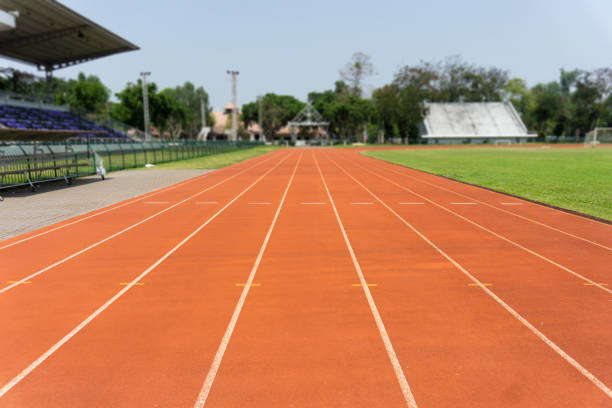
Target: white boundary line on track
[[127, 202], [74, 255], [497, 208], [508, 240], [598, 383], [214, 367], [7, 387], [397, 367]]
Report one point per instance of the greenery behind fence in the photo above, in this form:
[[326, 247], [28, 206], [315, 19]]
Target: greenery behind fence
[[48, 161]]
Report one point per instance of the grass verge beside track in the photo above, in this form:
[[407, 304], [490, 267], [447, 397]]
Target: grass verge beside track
[[578, 179], [217, 161]]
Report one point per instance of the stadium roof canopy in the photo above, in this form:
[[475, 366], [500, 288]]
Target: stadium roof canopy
[[51, 36]]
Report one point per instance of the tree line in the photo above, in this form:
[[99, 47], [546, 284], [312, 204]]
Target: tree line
[[570, 106]]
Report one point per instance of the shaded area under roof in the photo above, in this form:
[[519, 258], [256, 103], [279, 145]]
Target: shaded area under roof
[[51, 36]]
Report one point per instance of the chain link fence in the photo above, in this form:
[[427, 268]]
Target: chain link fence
[[32, 163]]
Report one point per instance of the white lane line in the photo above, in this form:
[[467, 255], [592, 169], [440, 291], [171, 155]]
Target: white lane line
[[362, 203], [214, 368], [313, 203], [7, 387], [397, 367], [582, 370], [508, 240], [503, 210], [116, 234], [463, 203], [159, 191], [205, 202], [260, 203], [415, 203], [155, 202], [511, 203]]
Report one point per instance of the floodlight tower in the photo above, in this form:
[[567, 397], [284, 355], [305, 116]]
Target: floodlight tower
[[234, 135], [145, 104], [260, 116]]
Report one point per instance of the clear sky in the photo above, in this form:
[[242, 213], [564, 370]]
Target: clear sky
[[294, 47]]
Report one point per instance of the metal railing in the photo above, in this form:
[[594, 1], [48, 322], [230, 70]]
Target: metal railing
[[31, 163]]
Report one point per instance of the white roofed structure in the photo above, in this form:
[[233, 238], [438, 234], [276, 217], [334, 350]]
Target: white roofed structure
[[473, 122]]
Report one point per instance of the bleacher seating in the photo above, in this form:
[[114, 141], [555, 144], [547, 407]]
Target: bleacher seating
[[42, 119], [477, 122]]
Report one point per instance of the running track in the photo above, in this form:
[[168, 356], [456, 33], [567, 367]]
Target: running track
[[310, 277]]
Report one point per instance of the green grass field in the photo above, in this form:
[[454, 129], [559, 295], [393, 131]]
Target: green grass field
[[217, 161], [578, 179]]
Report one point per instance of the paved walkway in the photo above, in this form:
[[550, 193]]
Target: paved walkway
[[23, 211]]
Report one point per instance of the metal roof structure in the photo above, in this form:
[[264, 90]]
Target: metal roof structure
[[52, 36]]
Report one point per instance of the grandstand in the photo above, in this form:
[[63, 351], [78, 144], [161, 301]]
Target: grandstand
[[51, 36], [51, 123], [476, 122]]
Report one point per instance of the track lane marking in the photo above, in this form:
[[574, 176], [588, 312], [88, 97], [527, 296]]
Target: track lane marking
[[480, 284], [371, 285], [17, 379], [244, 284], [497, 208], [397, 367], [582, 370], [126, 203], [508, 240], [133, 284], [214, 367], [19, 283], [116, 234]]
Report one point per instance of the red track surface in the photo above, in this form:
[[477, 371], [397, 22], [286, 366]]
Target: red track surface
[[310, 278]]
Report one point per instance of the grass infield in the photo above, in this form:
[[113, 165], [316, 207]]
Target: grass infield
[[578, 179], [217, 161]]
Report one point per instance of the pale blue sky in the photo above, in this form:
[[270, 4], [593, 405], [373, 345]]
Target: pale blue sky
[[294, 47]]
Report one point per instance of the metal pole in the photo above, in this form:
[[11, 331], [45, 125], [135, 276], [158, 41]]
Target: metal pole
[[234, 135], [260, 118], [145, 104]]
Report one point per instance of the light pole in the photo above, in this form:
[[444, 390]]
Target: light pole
[[234, 135], [145, 104], [260, 117]]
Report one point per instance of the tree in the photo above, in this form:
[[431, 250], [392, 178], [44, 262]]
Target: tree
[[277, 110], [130, 107], [454, 80], [359, 67], [346, 113]]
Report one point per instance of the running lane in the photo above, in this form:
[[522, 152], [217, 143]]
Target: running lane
[[306, 336], [507, 209], [34, 316], [30, 252], [569, 310], [457, 345]]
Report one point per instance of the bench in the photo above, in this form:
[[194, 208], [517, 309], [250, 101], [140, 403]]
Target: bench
[[40, 166]]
